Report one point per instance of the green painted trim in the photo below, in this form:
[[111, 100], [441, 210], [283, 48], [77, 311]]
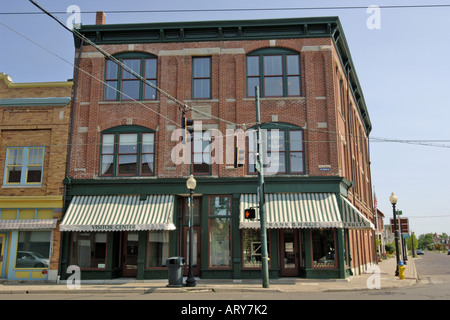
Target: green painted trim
[[30, 102]]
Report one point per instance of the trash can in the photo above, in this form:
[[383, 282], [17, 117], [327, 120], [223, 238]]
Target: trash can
[[175, 266]]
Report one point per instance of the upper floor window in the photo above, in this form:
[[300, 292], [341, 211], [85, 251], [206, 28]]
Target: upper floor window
[[284, 149], [276, 71], [24, 165], [201, 78], [201, 153], [128, 151], [121, 85]]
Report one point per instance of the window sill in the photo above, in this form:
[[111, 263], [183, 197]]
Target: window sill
[[21, 186]]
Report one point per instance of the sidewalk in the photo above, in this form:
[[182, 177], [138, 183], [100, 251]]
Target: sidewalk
[[385, 279]]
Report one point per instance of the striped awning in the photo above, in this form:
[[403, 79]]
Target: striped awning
[[294, 210], [119, 213], [353, 218], [27, 224]]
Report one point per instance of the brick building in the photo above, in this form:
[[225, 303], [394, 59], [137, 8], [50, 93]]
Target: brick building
[[127, 200], [34, 126]]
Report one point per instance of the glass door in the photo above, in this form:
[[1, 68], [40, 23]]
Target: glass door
[[130, 254], [289, 253]]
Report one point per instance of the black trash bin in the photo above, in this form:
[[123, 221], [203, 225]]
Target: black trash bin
[[175, 266]]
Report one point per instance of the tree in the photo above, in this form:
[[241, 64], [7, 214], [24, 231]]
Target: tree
[[425, 240]]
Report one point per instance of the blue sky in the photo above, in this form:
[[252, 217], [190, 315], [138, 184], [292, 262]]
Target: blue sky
[[403, 68]]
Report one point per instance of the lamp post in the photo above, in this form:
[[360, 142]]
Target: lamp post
[[393, 199], [191, 183]]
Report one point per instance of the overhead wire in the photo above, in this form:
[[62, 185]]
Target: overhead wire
[[184, 106]]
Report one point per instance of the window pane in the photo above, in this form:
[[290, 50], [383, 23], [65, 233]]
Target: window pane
[[296, 161], [148, 164], [89, 250], [253, 66], [148, 142], [323, 248], [293, 86], [34, 174], [201, 88], [219, 243], [219, 206], [133, 64], [35, 156], [293, 67], [33, 249], [273, 65], [296, 140], [252, 248], [150, 68], [14, 174], [108, 143], [14, 165], [107, 164], [275, 162], [202, 67], [150, 92], [111, 70], [275, 140], [158, 248], [273, 86], [130, 89], [251, 84], [15, 156], [111, 90], [128, 143], [127, 164]]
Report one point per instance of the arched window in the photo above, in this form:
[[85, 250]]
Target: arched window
[[276, 71], [127, 151], [121, 85], [284, 149]]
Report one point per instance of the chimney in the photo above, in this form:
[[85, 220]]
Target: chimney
[[100, 18]]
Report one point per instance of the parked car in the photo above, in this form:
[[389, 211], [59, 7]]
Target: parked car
[[448, 252], [420, 251], [29, 259]]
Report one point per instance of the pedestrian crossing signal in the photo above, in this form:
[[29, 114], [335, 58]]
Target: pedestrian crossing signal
[[250, 213]]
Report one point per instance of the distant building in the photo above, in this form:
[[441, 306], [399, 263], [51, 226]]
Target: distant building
[[126, 202], [34, 127]]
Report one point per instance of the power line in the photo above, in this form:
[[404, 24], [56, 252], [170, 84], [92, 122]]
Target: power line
[[419, 6]]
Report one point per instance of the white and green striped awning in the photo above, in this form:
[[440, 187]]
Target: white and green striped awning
[[303, 210], [353, 218], [294, 210], [119, 213]]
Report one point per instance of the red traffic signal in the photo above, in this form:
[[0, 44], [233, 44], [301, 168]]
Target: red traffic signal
[[250, 213]]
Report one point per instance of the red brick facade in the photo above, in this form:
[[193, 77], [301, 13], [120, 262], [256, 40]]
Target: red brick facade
[[335, 135]]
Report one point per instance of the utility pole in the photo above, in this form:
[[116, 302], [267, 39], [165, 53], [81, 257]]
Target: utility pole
[[261, 194]]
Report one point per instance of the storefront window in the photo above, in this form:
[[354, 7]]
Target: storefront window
[[33, 249], [89, 249], [158, 248], [252, 248], [323, 248], [220, 232]]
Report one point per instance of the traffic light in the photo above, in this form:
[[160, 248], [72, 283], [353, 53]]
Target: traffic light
[[239, 157], [250, 213], [187, 125], [239, 152]]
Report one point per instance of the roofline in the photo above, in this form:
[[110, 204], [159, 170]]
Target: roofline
[[10, 84]]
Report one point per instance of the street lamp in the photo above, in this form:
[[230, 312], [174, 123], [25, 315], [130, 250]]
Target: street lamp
[[191, 183], [393, 199]]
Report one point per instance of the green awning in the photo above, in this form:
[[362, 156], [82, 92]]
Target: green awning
[[294, 210], [119, 213], [353, 218]]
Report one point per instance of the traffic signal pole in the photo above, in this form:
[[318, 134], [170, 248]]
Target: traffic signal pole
[[261, 194]]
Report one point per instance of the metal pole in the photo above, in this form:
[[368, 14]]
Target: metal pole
[[190, 281], [262, 215], [397, 253]]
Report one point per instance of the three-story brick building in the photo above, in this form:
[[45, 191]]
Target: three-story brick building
[[127, 200]]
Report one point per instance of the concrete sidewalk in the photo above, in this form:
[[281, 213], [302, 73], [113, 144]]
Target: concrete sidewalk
[[382, 277]]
